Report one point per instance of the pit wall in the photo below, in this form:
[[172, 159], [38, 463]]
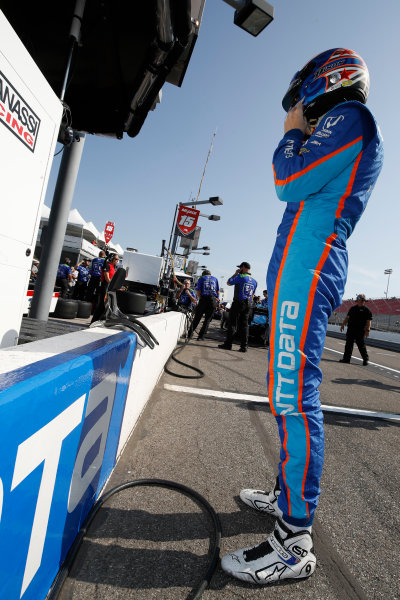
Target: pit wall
[[68, 405]]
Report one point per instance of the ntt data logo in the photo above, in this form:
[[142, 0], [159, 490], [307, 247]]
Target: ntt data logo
[[17, 115]]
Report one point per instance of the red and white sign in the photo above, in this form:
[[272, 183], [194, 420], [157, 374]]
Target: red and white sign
[[187, 220], [28, 301], [108, 231]]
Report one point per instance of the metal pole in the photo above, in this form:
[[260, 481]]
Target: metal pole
[[58, 219], [187, 254], [167, 258], [174, 244], [176, 236], [74, 33], [172, 229], [63, 194], [387, 288], [205, 166]]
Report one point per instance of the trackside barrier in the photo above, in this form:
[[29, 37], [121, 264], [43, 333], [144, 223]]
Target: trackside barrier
[[385, 345], [68, 405]]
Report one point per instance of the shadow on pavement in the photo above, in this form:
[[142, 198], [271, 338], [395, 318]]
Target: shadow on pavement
[[370, 383], [169, 563], [160, 527], [358, 422]]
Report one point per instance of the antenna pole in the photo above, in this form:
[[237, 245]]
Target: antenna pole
[[205, 166]]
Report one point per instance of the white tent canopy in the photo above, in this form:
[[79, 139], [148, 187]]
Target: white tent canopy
[[86, 231], [92, 229], [119, 249], [75, 218]]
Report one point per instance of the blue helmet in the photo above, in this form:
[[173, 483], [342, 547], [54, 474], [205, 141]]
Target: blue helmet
[[327, 79]]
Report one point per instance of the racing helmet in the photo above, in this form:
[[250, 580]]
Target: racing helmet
[[327, 79]]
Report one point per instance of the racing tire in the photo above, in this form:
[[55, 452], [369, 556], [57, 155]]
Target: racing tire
[[66, 309], [131, 303], [84, 309]]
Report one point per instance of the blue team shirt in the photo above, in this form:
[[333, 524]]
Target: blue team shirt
[[97, 265], [83, 273], [185, 299], [208, 286], [245, 286], [63, 271]]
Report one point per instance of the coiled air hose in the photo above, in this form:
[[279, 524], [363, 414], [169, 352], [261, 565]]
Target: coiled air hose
[[179, 349], [214, 547]]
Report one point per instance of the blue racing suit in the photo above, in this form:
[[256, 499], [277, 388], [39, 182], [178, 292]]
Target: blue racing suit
[[326, 182]]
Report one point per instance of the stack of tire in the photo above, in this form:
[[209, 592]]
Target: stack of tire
[[131, 303], [72, 309]]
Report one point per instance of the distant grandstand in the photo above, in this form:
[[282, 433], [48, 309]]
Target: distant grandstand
[[385, 312]]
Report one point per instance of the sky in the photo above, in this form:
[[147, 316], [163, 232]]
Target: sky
[[234, 86]]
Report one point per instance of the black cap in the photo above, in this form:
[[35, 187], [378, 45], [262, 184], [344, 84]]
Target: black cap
[[244, 265]]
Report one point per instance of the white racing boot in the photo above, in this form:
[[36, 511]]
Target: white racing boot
[[264, 502], [285, 555]]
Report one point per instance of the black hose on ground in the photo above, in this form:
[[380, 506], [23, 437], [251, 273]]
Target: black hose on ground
[[214, 547], [173, 357], [189, 320]]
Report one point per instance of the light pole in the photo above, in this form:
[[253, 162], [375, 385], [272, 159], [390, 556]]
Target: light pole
[[173, 239], [63, 193], [210, 217], [388, 272]]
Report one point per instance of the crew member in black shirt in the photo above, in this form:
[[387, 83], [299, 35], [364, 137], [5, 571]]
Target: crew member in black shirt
[[358, 321]]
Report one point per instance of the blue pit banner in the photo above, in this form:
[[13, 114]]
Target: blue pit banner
[[60, 423]]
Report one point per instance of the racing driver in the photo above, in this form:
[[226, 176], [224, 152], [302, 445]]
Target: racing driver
[[325, 167]]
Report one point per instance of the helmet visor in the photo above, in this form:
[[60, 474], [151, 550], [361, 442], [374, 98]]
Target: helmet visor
[[293, 95]]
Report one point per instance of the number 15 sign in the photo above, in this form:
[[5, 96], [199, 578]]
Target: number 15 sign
[[187, 220]]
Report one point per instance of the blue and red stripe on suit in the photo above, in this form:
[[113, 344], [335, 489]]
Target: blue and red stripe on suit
[[326, 182]]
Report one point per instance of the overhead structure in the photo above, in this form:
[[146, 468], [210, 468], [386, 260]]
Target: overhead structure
[[252, 15], [127, 51]]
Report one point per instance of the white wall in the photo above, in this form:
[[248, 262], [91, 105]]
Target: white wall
[[148, 367], [71, 403], [27, 141]]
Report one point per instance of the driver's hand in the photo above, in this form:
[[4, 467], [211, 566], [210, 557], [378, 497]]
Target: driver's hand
[[295, 119]]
